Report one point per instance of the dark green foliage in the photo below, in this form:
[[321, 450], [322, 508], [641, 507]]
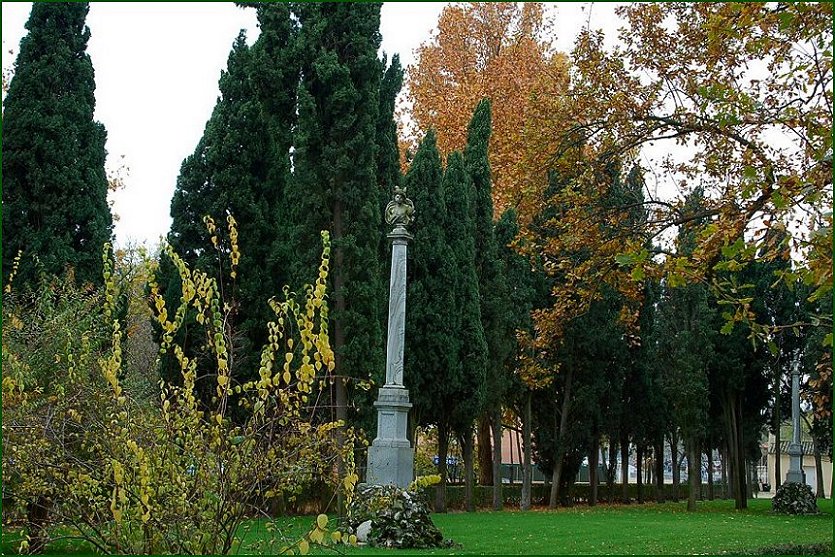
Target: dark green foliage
[[432, 345], [54, 184], [794, 498], [234, 171], [399, 518], [493, 290], [465, 381], [388, 156], [335, 186]]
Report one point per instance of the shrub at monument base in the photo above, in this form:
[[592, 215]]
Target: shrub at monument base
[[794, 498], [398, 517]]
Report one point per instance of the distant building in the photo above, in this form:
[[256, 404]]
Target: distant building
[[767, 469]]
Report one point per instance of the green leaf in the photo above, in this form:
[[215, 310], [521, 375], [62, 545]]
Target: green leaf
[[727, 328], [778, 200], [624, 259]]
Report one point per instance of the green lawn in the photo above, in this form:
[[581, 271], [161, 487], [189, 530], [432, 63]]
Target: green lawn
[[619, 530]]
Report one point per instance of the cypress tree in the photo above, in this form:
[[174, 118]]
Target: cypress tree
[[335, 184], [54, 183], [492, 287], [464, 384], [432, 342], [232, 173]]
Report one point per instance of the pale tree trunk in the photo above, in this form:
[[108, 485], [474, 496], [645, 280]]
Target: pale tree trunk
[[676, 469], [820, 493], [563, 427], [496, 419], [527, 471]]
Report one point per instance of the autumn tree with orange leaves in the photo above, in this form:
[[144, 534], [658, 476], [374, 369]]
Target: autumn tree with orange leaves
[[731, 98], [496, 50]]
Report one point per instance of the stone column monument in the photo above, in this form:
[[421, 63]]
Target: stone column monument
[[795, 473], [391, 456]]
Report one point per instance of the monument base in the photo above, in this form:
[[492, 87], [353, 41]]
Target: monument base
[[795, 473], [390, 464], [391, 457]]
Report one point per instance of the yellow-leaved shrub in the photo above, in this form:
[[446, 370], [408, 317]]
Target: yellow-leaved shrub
[[177, 475]]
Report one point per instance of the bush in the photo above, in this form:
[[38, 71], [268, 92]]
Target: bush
[[794, 498], [83, 453], [399, 517]]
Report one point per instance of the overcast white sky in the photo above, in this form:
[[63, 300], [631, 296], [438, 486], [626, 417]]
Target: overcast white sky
[[157, 66]]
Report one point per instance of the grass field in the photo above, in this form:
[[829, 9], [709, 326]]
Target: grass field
[[606, 530], [622, 530]]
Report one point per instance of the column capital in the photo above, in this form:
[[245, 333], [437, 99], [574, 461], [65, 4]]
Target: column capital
[[400, 236]]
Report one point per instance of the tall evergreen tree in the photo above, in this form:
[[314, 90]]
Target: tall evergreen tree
[[498, 329], [432, 344], [232, 172], [54, 183], [335, 185], [527, 289], [465, 383]]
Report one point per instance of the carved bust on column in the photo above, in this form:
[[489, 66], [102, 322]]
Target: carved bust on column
[[400, 212]]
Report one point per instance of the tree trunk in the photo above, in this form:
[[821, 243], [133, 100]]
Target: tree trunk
[[694, 470], [733, 415], [469, 476], [710, 494], [658, 450], [624, 467], [698, 455], [485, 450], [639, 471], [611, 467], [594, 461], [778, 418], [676, 469], [527, 471], [723, 461], [821, 493], [37, 515], [496, 419], [443, 448], [558, 456]]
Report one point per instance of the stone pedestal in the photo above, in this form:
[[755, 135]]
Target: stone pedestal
[[391, 456], [795, 473]]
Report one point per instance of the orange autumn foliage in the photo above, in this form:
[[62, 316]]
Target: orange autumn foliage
[[498, 50]]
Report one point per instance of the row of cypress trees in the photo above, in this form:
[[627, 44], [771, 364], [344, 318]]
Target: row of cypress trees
[[302, 139]]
